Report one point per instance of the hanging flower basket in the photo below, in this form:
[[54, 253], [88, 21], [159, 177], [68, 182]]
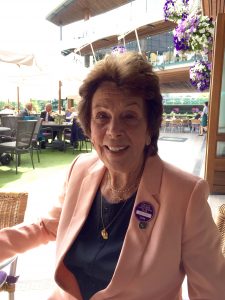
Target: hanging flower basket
[[202, 36], [175, 10], [200, 75], [118, 49], [195, 33]]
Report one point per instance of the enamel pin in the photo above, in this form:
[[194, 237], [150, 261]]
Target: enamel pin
[[144, 212]]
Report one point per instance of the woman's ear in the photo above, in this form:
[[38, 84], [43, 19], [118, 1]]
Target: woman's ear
[[148, 140]]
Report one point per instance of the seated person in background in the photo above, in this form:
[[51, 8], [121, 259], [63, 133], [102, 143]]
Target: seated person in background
[[8, 110], [73, 114], [48, 116], [27, 111], [68, 114]]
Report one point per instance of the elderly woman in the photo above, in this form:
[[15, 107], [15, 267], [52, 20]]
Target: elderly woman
[[128, 226]]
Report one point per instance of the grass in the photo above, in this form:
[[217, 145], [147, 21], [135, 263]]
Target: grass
[[52, 164]]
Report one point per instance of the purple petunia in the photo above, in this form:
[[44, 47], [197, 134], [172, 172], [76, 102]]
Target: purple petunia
[[175, 10], [200, 75], [195, 33], [118, 49]]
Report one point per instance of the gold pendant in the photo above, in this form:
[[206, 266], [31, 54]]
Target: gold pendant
[[104, 234]]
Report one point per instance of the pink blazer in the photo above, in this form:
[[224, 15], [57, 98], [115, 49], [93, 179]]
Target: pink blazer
[[180, 239]]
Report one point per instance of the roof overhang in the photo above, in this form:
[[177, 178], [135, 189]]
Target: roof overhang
[[113, 40], [176, 80], [75, 10]]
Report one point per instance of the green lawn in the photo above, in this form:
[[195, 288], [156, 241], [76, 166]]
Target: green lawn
[[52, 163]]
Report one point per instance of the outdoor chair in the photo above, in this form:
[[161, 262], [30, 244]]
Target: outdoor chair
[[47, 134], [220, 222], [83, 140], [23, 142], [175, 125], [36, 137], [185, 123], [195, 125], [12, 211], [67, 142], [164, 125], [11, 122]]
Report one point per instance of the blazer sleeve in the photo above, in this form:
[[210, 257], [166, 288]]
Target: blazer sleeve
[[22, 237], [202, 256]]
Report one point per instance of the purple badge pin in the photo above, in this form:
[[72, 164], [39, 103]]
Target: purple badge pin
[[144, 211]]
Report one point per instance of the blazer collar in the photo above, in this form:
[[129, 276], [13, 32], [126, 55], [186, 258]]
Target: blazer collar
[[136, 238]]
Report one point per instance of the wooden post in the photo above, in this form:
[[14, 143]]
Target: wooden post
[[59, 105], [18, 98]]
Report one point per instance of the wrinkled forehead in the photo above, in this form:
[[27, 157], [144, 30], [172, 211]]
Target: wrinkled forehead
[[110, 90]]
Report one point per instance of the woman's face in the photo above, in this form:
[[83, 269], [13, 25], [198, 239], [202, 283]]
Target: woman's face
[[118, 128]]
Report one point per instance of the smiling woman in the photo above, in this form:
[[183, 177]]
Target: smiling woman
[[119, 131], [116, 225]]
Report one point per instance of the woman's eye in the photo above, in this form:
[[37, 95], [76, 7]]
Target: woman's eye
[[130, 117], [101, 116]]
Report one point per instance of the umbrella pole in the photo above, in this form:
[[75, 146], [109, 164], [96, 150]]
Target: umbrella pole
[[18, 99], [60, 86]]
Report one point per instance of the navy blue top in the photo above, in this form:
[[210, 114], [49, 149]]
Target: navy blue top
[[92, 259]]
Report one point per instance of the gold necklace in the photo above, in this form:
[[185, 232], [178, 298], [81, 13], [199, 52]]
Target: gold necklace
[[124, 191], [104, 232]]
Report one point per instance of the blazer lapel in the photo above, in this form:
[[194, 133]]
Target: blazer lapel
[[136, 238], [87, 192]]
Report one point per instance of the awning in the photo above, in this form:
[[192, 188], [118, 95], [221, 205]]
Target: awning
[[71, 11], [103, 42], [17, 58]]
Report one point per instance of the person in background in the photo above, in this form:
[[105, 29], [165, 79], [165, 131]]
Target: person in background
[[27, 111], [8, 110], [47, 114], [128, 225], [198, 115], [68, 114], [204, 119], [73, 114]]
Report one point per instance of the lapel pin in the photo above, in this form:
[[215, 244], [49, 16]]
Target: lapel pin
[[144, 212]]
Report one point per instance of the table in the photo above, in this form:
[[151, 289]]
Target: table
[[4, 129], [56, 127]]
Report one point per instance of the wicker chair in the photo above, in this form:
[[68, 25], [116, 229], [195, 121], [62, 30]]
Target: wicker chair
[[220, 222], [12, 211]]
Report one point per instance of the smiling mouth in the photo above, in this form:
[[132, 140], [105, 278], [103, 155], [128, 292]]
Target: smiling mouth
[[116, 149]]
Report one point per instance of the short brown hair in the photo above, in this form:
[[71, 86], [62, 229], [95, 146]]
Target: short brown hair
[[132, 72]]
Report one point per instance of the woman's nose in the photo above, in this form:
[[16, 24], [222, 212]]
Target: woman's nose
[[115, 128]]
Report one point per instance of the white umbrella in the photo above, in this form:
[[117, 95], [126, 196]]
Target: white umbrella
[[11, 63], [50, 77], [55, 78]]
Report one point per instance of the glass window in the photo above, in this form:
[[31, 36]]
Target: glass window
[[220, 149], [221, 125]]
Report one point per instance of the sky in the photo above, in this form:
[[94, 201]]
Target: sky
[[24, 28], [23, 25]]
